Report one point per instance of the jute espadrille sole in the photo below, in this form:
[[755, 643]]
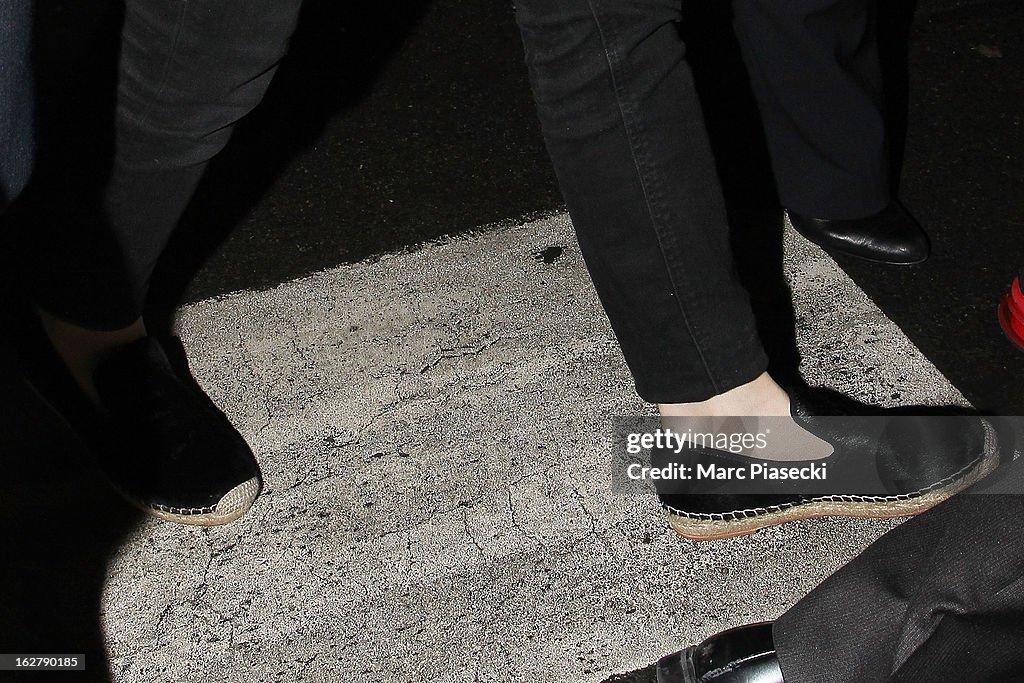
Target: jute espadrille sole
[[715, 526], [233, 505]]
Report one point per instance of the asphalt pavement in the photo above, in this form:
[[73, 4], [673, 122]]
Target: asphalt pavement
[[434, 429]]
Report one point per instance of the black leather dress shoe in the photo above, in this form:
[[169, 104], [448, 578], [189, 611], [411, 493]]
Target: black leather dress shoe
[[166, 446], [885, 463], [740, 655], [889, 236]]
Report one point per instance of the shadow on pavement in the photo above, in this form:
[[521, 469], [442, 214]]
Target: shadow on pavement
[[336, 55], [59, 521], [744, 167], [61, 524]]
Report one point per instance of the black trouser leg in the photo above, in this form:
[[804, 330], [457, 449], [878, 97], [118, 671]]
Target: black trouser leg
[[189, 71], [939, 598], [16, 117], [626, 135], [814, 69]]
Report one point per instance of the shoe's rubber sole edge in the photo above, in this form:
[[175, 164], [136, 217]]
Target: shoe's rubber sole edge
[[205, 519], [702, 529], [233, 505]]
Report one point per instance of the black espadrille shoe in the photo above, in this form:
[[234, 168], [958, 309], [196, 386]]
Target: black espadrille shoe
[[885, 463], [167, 448], [158, 438]]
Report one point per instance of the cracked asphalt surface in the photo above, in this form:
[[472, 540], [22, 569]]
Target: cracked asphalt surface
[[434, 432]]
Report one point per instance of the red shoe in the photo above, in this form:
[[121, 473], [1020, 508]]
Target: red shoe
[[1011, 314]]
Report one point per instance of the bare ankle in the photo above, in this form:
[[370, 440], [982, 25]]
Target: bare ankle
[[760, 397]]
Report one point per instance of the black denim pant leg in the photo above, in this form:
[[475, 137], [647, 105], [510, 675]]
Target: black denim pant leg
[[815, 72], [625, 132], [189, 70], [16, 110]]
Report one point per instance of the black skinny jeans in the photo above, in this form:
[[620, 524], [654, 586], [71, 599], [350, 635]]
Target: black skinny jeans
[[622, 124], [189, 70], [625, 132]]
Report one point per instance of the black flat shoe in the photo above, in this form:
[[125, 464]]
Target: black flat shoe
[[885, 463], [167, 448], [160, 442], [890, 236], [740, 655]]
